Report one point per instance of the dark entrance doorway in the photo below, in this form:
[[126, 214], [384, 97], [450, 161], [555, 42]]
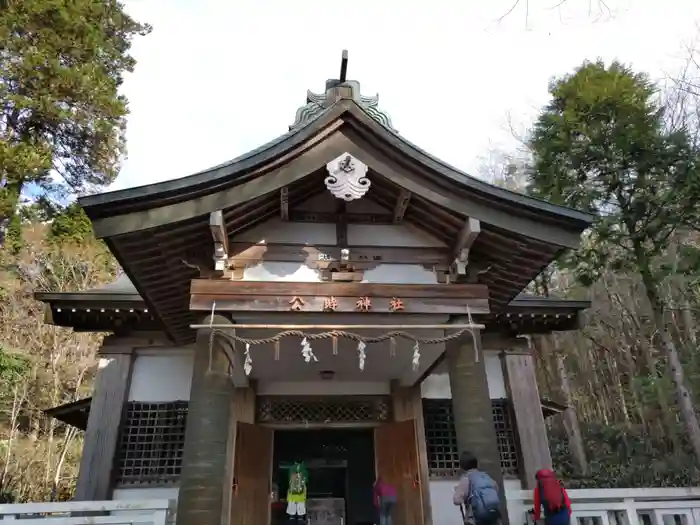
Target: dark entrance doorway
[[341, 471]]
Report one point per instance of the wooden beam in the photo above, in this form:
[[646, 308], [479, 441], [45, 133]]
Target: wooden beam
[[217, 225], [100, 443], [467, 235], [284, 203], [341, 224], [325, 254], [332, 217], [401, 205], [403, 291], [318, 304]]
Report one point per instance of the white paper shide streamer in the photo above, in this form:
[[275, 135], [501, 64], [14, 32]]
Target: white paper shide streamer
[[361, 356], [416, 356], [248, 362], [307, 352]]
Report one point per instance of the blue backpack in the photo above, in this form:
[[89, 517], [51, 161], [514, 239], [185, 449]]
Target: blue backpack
[[483, 498]]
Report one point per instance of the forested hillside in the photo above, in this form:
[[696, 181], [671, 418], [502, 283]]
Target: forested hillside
[[40, 365]]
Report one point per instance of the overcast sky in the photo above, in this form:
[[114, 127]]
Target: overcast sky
[[216, 78]]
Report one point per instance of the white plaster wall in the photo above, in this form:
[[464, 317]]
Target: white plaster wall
[[161, 374], [400, 274], [446, 513], [312, 233], [282, 272], [437, 385], [402, 235], [279, 231], [301, 273]]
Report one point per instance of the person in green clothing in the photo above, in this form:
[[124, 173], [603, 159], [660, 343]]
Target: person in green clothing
[[296, 493]]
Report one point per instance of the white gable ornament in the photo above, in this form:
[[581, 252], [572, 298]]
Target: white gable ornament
[[348, 178]]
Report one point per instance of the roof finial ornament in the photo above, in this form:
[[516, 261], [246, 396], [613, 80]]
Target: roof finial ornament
[[336, 89], [343, 66]]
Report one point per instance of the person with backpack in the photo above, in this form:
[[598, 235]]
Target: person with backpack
[[384, 500], [476, 494], [551, 495]]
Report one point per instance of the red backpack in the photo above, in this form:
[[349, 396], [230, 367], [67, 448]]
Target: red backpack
[[552, 507]]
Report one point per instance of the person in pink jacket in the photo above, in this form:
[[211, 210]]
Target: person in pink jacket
[[384, 500]]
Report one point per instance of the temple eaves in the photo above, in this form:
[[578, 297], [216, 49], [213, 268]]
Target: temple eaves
[[335, 90]]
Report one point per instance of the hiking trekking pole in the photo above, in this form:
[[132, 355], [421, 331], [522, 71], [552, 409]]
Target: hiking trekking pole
[[464, 514]]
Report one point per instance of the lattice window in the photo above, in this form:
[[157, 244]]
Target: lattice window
[[506, 436], [441, 438], [151, 443], [333, 409]]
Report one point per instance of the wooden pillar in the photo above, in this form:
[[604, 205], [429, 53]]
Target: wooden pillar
[[521, 385], [205, 484], [471, 405], [102, 433], [407, 404]]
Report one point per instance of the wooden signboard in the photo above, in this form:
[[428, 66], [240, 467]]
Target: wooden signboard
[[338, 297]]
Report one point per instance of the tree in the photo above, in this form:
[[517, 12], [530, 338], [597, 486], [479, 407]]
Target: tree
[[71, 226], [601, 145], [62, 119], [41, 365]]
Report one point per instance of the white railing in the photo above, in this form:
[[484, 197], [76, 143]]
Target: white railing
[[118, 512], [651, 506]]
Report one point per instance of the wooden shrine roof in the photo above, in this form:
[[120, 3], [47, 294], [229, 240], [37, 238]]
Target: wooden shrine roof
[[160, 233]]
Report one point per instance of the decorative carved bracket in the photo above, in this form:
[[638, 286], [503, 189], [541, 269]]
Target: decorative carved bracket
[[220, 236], [467, 235], [343, 271], [401, 205]]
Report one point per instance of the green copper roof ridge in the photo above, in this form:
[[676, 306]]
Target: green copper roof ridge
[[316, 102]]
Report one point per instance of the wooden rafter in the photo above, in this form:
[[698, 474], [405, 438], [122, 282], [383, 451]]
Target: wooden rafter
[[284, 203], [467, 235], [220, 236], [401, 205]]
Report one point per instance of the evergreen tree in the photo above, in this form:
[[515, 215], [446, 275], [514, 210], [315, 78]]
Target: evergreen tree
[[71, 225], [61, 116], [601, 145]]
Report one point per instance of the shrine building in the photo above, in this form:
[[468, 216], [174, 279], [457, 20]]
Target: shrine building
[[336, 296]]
